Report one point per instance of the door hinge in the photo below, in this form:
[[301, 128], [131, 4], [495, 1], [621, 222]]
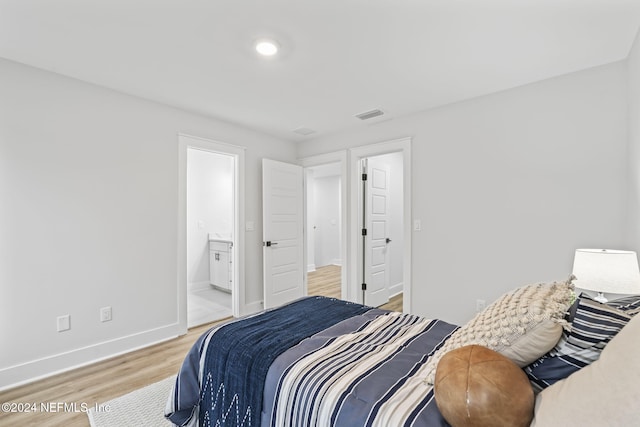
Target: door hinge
[[364, 231], [364, 286], [364, 176]]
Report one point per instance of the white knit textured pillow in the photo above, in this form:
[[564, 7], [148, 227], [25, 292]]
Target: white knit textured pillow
[[522, 325]]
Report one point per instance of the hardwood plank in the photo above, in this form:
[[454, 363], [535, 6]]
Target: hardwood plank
[[326, 281], [394, 304]]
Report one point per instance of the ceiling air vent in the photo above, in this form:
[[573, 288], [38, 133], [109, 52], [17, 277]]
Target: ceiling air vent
[[369, 114], [304, 131]]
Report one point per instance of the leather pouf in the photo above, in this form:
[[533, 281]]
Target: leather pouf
[[476, 386]]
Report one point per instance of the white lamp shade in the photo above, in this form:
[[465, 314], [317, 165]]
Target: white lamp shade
[[607, 270]]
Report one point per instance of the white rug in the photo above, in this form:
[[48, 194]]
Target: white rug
[[140, 408]]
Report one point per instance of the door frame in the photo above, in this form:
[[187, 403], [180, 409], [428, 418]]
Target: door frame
[[356, 154], [319, 160], [185, 142]]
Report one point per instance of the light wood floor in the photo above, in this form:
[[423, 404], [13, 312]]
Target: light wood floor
[[103, 381], [325, 281]]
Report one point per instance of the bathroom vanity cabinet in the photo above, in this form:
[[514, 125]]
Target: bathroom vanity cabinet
[[221, 264]]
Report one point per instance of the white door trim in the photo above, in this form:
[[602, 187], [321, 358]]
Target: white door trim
[[185, 142], [323, 159], [355, 239]]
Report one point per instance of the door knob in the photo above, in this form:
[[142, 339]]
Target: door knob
[[388, 240]]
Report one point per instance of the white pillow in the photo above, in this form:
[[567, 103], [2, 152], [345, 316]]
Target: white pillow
[[522, 325]]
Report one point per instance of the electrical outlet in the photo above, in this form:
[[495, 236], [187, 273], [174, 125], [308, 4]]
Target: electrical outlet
[[63, 323], [480, 305], [105, 314]]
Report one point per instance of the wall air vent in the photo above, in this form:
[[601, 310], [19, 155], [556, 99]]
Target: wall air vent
[[304, 131], [369, 114]]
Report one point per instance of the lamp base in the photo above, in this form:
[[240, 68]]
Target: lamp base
[[601, 298]]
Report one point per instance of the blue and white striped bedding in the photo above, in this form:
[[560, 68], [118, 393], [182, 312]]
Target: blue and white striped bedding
[[365, 370], [593, 325]]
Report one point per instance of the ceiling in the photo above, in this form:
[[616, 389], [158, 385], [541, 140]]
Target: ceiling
[[338, 57]]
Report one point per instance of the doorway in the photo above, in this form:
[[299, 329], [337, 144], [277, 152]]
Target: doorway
[[210, 240], [400, 252], [351, 247], [382, 217], [326, 209], [323, 187]]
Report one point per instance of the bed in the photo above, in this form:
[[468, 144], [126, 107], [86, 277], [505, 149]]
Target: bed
[[325, 362]]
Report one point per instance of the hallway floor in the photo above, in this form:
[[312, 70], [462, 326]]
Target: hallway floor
[[326, 281]]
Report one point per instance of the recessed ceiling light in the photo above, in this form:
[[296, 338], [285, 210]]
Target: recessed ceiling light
[[304, 131], [266, 47]]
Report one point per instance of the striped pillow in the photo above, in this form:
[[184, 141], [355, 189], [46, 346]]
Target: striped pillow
[[593, 326], [629, 303]]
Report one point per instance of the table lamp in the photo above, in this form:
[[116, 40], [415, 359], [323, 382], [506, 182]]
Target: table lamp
[[606, 271]]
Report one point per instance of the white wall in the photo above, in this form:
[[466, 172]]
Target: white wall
[[311, 219], [327, 221], [88, 218], [633, 74], [209, 209], [508, 185]]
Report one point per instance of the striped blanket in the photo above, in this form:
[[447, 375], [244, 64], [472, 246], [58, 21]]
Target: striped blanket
[[363, 371]]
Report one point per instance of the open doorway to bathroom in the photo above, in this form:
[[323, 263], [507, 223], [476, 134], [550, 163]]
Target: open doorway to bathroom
[[210, 235]]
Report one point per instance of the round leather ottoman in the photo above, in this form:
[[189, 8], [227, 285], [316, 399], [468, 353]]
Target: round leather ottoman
[[476, 386]]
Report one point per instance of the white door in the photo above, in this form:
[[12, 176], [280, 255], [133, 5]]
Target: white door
[[376, 253], [282, 213]]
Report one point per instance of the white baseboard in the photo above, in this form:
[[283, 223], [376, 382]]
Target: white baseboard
[[311, 267], [34, 370], [197, 286], [396, 289], [337, 262]]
